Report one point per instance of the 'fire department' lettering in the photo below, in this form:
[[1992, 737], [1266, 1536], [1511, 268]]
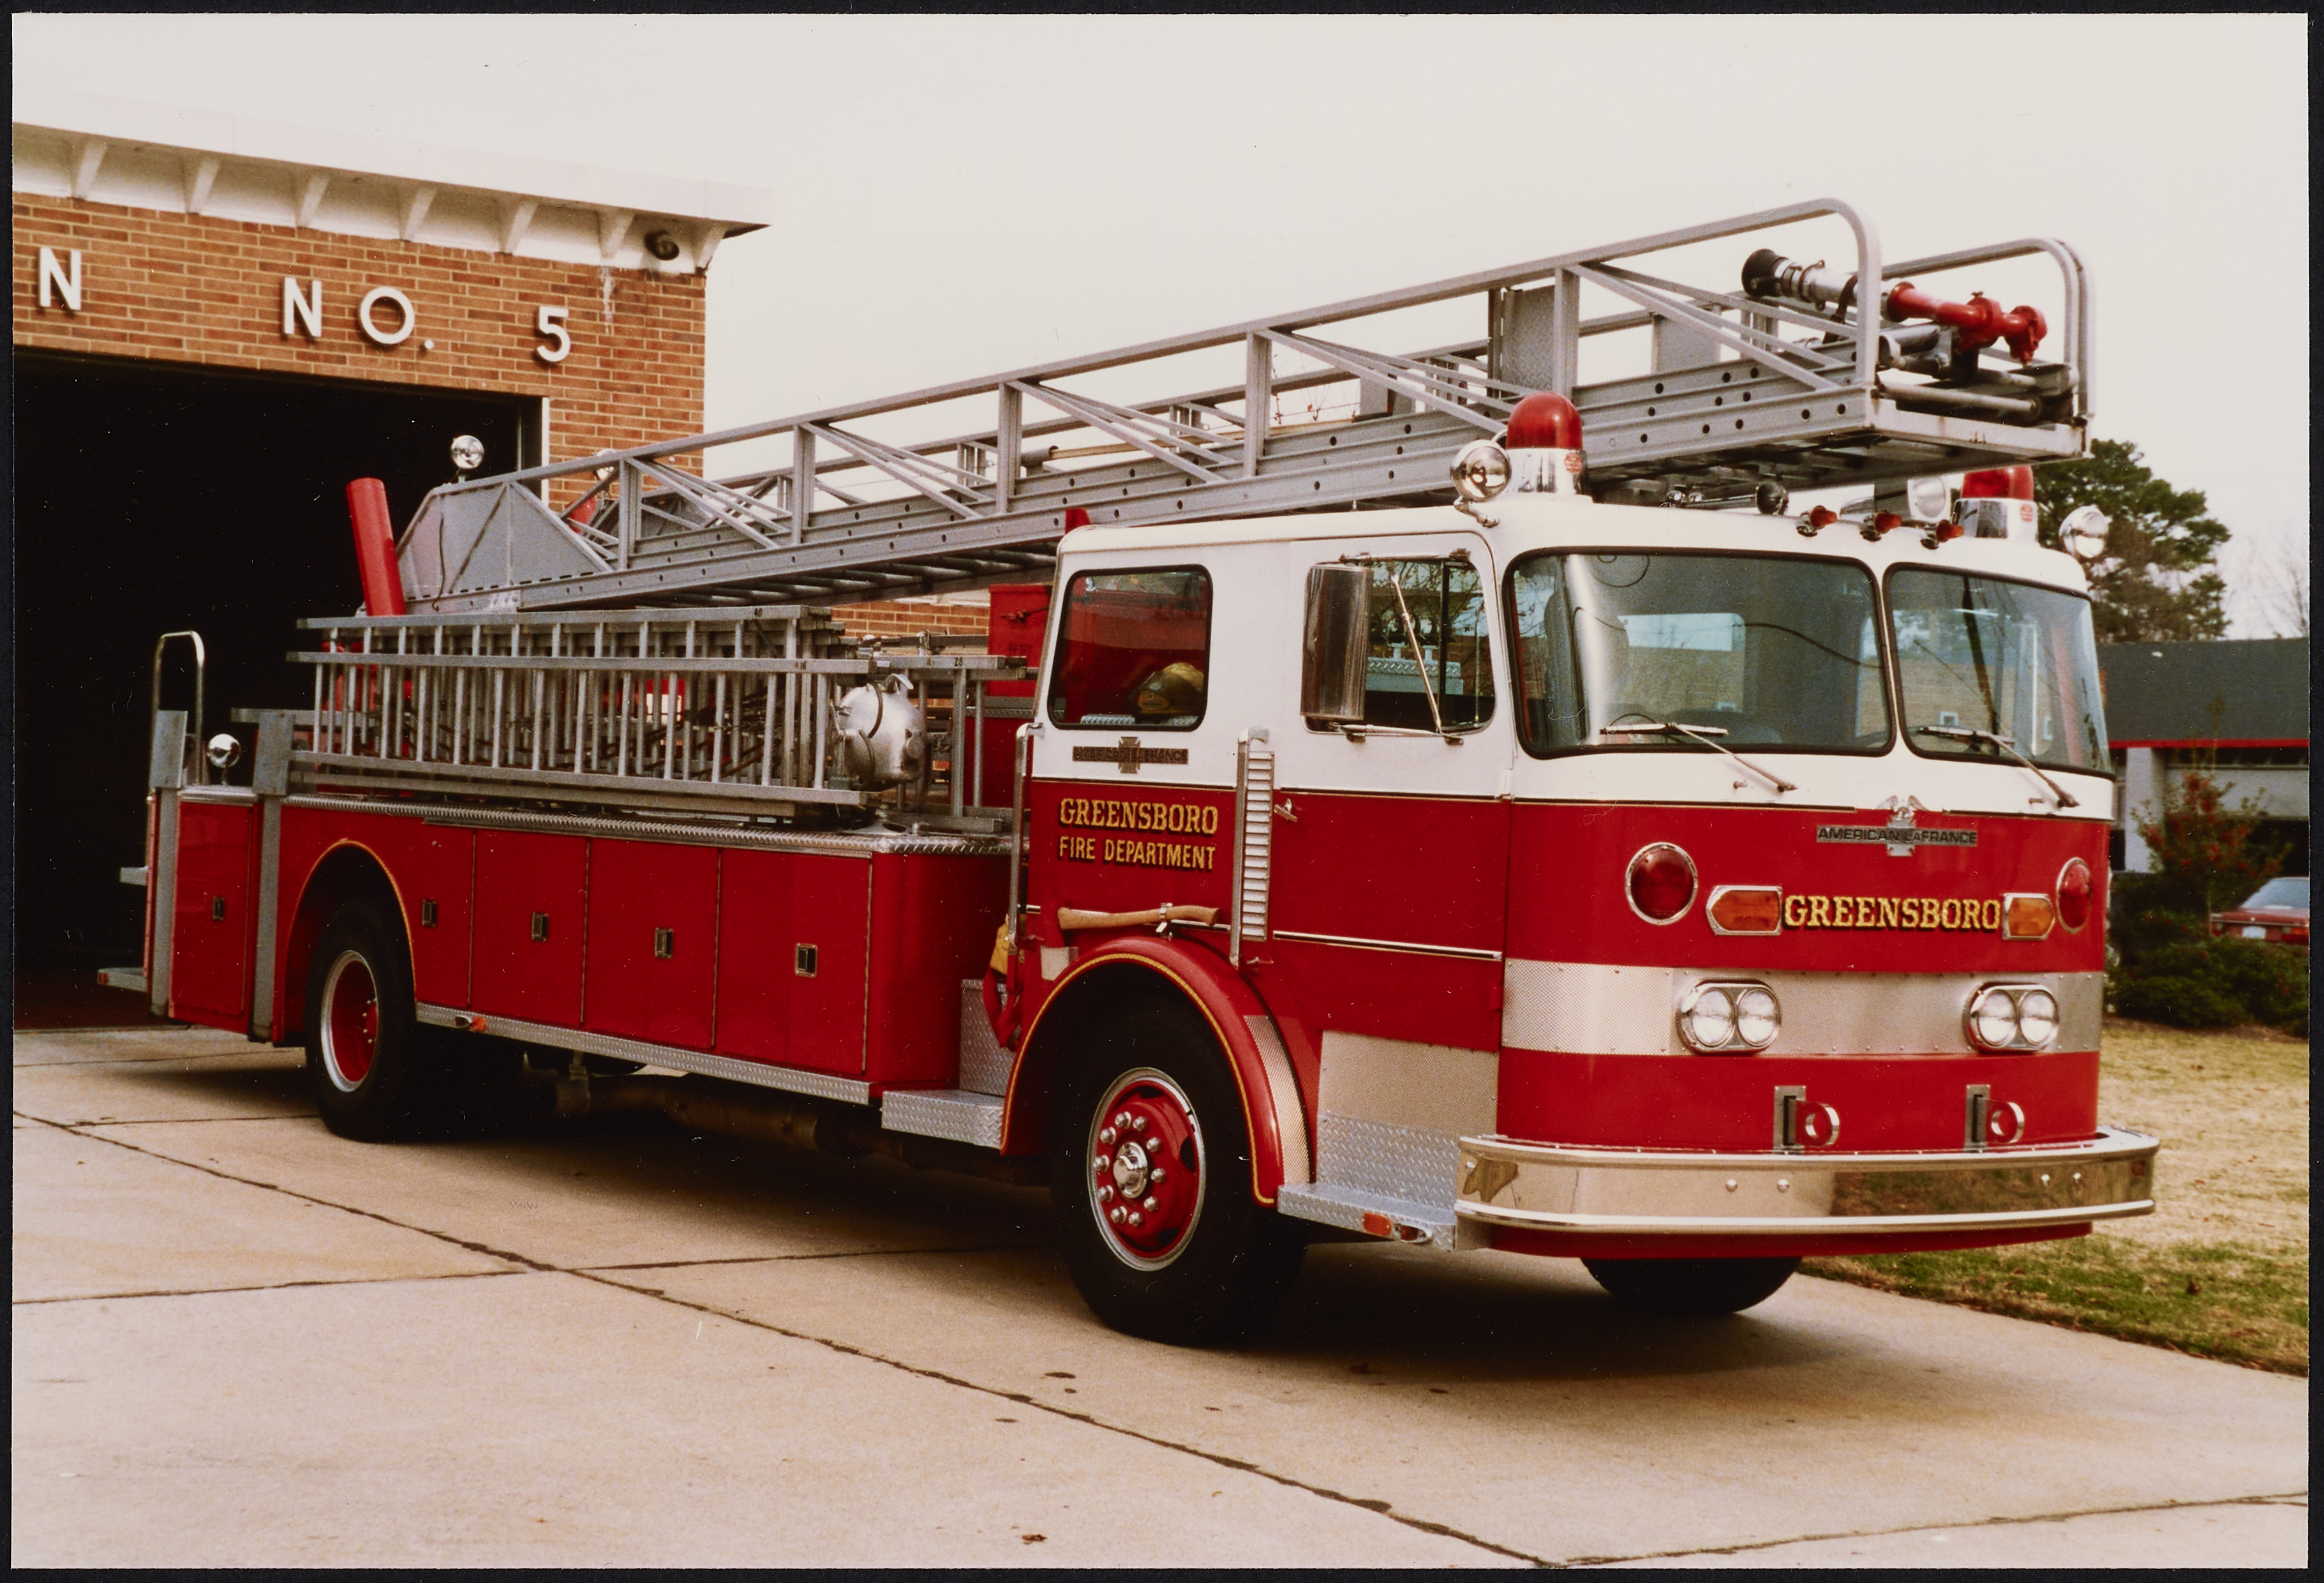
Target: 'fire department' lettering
[[1112, 814], [1188, 854], [1801, 912]]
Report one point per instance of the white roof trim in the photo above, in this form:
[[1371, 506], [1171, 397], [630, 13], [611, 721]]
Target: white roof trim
[[144, 155]]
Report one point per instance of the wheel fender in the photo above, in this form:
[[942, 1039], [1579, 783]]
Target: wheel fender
[[1238, 1019], [342, 872]]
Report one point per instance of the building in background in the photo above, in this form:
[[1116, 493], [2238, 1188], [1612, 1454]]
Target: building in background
[[2237, 708], [217, 323]]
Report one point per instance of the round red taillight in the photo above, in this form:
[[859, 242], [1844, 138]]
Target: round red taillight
[[2075, 889], [1661, 883]]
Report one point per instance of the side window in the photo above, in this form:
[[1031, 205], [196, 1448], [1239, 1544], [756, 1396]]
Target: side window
[[1428, 634], [1134, 649]]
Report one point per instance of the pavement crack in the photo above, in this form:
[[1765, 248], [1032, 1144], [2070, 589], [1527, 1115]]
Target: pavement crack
[[1216, 1458], [867, 1253], [2300, 1496], [484, 1249], [262, 1286]]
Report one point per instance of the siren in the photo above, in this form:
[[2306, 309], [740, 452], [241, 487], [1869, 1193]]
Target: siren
[[1544, 445], [1997, 503]]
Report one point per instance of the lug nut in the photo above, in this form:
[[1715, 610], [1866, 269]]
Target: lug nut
[[1105, 1195], [1105, 1136], [1149, 1205], [1102, 1160], [1137, 1124], [1159, 1178], [1114, 1215], [1135, 1218], [1121, 1118]]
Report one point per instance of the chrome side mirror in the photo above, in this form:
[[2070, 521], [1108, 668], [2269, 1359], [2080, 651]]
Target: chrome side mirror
[[1335, 648]]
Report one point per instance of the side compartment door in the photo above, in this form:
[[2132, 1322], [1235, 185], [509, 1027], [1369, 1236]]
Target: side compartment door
[[794, 959], [653, 937], [214, 920], [528, 925]]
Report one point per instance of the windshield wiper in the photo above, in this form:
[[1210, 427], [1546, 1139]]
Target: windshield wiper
[[1970, 734], [1703, 733]]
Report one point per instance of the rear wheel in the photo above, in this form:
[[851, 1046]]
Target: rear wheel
[[1152, 1184], [367, 1061], [1692, 1286]]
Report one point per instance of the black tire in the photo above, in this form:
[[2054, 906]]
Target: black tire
[[1691, 1287], [374, 1073], [1212, 1261]]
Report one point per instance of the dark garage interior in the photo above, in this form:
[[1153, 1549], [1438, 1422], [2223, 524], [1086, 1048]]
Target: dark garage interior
[[150, 497]]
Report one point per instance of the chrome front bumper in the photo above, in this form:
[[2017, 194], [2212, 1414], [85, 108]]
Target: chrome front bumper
[[1624, 1192]]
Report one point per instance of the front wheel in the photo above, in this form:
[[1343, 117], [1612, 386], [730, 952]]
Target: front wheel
[[1152, 1184], [1692, 1286], [366, 1061]]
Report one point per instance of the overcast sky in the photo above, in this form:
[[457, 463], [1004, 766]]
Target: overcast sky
[[957, 195]]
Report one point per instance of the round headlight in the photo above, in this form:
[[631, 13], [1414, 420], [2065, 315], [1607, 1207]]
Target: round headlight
[[2038, 1017], [1993, 1019], [467, 453], [1708, 1021], [225, 751], [1480, 471], [2084, 532], [1757, 1018]]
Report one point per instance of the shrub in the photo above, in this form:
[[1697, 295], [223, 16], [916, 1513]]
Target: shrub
[[2216, 984]]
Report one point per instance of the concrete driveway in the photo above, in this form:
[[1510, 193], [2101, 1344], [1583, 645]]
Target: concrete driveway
[[240, 1340]]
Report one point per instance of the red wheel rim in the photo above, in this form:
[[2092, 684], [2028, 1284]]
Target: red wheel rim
[[1145, 1158], [350, 1021]]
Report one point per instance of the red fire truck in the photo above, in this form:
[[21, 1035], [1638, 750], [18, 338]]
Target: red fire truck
[[1413, 823]]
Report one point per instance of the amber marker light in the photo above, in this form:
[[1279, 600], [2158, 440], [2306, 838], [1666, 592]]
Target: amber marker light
[[2073, 894], [2024, 917], [1661, 883], [1745, 909]]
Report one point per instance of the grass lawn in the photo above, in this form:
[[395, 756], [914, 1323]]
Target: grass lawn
[[2221, 1270]]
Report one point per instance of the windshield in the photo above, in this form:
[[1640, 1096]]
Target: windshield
[[1749, 651], [2288, 894], [1974, 654]]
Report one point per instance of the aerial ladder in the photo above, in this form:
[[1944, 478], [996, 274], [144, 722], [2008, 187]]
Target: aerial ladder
[[1774, 381]]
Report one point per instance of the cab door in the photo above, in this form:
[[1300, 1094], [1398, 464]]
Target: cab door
[[1128, 804], [1391, 841]]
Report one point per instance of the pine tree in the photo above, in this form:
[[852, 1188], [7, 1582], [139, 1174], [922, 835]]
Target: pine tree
[[2159, 578]]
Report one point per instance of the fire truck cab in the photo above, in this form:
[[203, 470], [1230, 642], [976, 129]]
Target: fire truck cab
[[1576, 879]]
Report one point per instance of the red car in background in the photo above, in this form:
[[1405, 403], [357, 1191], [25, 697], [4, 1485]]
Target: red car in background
[[2277, 911]]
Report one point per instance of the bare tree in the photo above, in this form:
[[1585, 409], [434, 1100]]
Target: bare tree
[[2272, 577]]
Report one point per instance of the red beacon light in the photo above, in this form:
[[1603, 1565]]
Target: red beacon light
[[1544, 445], [1997, 503]]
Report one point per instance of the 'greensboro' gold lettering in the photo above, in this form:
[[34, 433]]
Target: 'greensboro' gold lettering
[[1114, 813], [1805, 911]]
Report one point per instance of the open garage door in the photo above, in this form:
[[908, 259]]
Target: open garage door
[[150, 496]]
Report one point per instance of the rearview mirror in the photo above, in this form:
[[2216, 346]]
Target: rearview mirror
[[1334, 651]]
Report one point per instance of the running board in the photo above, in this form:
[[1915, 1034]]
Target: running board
[[819, 1085], [123, 978], [1430, 1225], [958, 1114]]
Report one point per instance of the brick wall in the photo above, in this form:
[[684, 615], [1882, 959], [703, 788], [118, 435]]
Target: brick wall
[[910, 618], [195, 289]]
